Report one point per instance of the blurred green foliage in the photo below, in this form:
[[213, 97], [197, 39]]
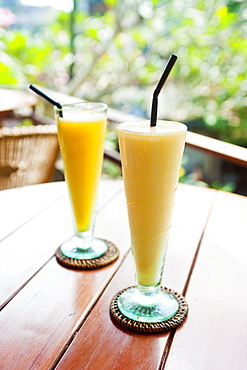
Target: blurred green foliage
[[116, 51]]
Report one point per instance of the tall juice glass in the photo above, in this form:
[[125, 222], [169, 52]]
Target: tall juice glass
[[81, 134], [151, 159]]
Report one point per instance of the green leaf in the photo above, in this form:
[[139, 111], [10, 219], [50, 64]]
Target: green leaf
[[110, 3], [7, 75]]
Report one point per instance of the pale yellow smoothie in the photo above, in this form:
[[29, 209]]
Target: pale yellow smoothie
[[151, 159], [81, 141]]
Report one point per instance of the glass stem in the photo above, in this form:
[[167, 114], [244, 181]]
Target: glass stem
[[149, 291], [84, 239]]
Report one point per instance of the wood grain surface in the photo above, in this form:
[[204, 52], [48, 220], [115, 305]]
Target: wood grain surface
[[105, 344], [215, 334], [57, 318]]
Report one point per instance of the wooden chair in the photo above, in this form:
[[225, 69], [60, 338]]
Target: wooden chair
[[27, 155]]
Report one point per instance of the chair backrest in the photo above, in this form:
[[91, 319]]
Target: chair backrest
[[27, 155]]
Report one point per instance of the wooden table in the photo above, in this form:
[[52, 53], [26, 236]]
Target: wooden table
[[56, 318], [11, 100]]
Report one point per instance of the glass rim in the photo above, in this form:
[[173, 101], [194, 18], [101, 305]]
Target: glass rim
[[120, 126], [82, 106]]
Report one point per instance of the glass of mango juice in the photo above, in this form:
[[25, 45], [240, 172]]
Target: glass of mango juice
[[81, 133], [151, 159]]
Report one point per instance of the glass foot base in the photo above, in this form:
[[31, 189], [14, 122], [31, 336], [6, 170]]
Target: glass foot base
[[72, 249], [147, 308]]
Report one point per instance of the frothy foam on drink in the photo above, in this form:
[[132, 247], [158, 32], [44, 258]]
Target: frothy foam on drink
[[162, 127], [82, 116]]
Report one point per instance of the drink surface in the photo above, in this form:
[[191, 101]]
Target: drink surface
[[151, 159], [81, 143]]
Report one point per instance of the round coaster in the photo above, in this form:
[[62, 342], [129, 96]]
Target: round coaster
[[154, 327], [110, 256]]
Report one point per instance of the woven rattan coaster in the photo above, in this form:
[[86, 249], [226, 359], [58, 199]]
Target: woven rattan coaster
[[110, 256], [154, 327]]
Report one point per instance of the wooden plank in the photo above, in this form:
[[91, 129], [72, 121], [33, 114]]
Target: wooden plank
[[15, 99], [192, 208], [18, 205], [227, 151], [215, 335], [105, 345], [24, 252], [38, 322], [39, 233], [100, 343]]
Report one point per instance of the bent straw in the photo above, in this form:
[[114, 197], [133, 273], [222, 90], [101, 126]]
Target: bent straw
[[43, 95], [158, 88]]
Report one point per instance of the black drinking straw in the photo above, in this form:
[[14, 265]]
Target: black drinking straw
[[158, 88], [50, 100]]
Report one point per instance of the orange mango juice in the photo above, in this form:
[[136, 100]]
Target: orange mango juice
[[81, 144], [151, 159]]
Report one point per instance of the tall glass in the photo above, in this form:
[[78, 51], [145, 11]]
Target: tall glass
[[151, 159], [81, 134]]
